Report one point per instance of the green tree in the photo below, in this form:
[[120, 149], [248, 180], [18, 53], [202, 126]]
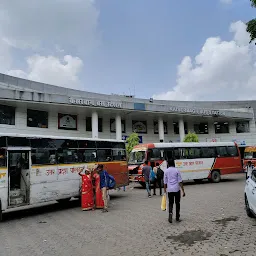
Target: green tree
[[132, 141], [191, 137], [251, 25]]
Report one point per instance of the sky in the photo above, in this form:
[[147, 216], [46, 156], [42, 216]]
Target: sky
[[167, 49]]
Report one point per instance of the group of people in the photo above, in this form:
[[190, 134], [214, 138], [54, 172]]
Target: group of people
[[173, 184], [94, 189]]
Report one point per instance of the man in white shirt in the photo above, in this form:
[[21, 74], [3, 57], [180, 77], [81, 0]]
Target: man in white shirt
[[249, 169]]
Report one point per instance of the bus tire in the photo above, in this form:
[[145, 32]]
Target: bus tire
[[215, 176], [1, 212], [143, 184]]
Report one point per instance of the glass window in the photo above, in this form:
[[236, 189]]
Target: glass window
[[242, 127], [113, 125], [208, 152], [87, 155], [191, 153], [254, 176], [154, 154], [7, 115], [119, 154], [2, 157], [104, 144], [43, 156], [201, 128], [88, 124], [86, 144], [104, 155], [221, 127], [2, 142], [176, 128], [36, 118], [118, 145], [42, 143], [137, 157], [67, 156], [222, 151], [100, 125], [232, 151], [18, 142]]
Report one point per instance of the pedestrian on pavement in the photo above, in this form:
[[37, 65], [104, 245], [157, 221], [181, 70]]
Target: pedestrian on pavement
[[104, 181], [249, 169], [146, 173], [172, 185], [159, 174]]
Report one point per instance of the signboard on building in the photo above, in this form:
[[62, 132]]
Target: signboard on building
[[239, 142], [95, 103], [124, 137], [197, 111], [67, 122]]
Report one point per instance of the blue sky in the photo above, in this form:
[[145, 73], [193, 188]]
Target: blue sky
[[144, 41], [114, 46]]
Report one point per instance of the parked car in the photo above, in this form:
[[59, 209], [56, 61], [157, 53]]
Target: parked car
[[250, 195]]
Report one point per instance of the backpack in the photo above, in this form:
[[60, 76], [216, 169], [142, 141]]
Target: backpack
[[152, 175], [160, 173], [111, 182]]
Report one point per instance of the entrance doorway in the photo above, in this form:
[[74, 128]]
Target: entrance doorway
[[19, 172]]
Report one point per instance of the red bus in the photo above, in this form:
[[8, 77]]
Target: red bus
[[196, 161]]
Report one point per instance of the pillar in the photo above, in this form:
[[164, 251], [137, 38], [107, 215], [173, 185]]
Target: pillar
[[161, 129], [95, 125], [118, 127], [181, 129]]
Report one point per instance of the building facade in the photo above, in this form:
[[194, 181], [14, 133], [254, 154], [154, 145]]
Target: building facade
[[33, 108]]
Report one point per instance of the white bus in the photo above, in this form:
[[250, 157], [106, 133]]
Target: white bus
[[41, 169]]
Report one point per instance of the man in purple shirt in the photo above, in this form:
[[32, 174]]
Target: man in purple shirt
[[172, 185]]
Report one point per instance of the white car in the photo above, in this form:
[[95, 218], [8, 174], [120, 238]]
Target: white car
[[250, 195]]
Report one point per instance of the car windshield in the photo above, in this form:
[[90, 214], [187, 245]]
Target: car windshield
[[137, 157]]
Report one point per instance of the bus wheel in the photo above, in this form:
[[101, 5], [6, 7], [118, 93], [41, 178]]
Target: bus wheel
[[63, 201], [143, 184], [215, 176], [1, 213]]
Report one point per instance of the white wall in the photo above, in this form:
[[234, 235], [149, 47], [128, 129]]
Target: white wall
[[20, 127]]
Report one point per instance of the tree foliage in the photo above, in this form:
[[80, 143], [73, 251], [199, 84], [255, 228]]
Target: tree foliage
[[191, 137], [251, 25], [132, 141]]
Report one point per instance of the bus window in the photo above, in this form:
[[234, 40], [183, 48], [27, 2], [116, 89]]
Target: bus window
[[87, 155], [18, 142], [86, 144], [104, 155], [232, 151], [42, 143], [43, 156], [68, 156], [104, 144], [137, 157], [191, 153], [208, 152], [2, 142], [120, 145], [154, 154], [222, 151], [2, 157], [119, 154]]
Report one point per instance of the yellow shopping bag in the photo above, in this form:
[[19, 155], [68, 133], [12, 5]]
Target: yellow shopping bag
[[163, 203]]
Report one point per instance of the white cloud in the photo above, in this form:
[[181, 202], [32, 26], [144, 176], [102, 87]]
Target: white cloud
[[52, 70], [223, 70], [37, 36]]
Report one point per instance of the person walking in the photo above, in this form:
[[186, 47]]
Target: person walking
[[249, 169], [172, 185], [104, 181], [159, 174], [146, 173]]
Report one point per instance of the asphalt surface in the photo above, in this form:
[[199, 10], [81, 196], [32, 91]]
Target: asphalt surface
[[214, 223]]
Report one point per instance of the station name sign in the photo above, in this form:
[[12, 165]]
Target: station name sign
[[95, 103], [197, 111]]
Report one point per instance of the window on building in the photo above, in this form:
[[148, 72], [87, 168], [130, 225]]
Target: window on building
[[113, 125], [36, 118], [221, 127], [242, 127], [176, 128], [89, 124], [201, 128], [7, 115]]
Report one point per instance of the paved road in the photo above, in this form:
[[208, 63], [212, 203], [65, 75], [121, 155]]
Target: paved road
[[214, 223]]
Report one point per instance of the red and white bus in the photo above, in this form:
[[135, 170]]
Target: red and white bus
[[196, 161]]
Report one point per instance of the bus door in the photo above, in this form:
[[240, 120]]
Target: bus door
[[19, 166]]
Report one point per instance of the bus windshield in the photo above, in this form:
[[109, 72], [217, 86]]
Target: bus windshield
[[249, 155], [137, 157]]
